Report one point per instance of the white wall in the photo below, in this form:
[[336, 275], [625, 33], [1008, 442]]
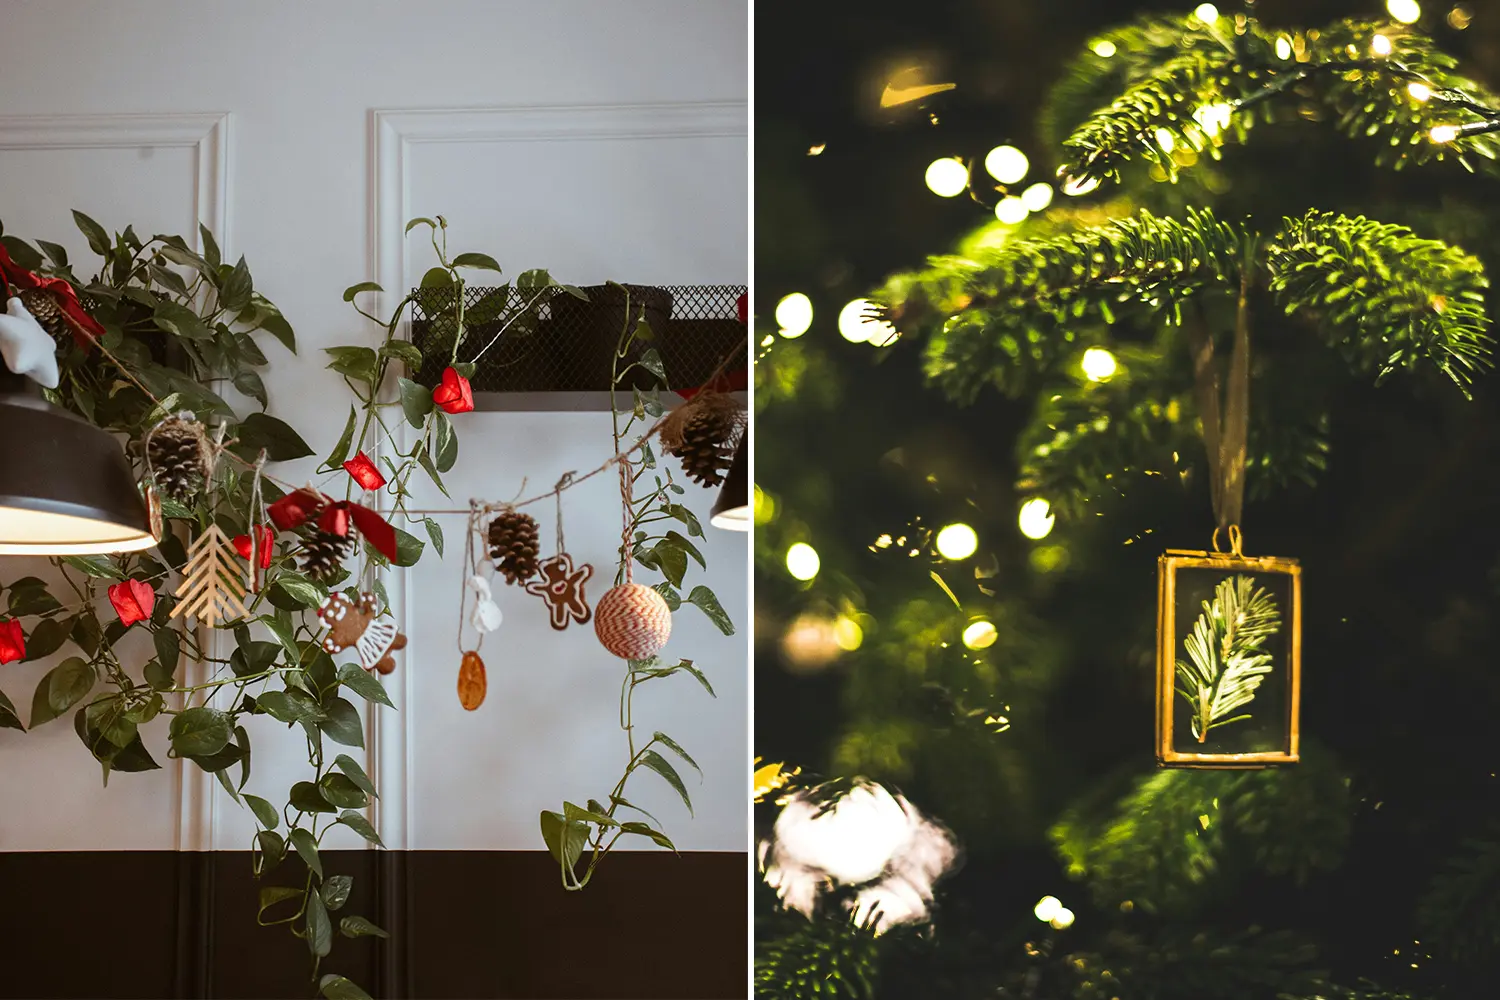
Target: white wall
[[628, 161]]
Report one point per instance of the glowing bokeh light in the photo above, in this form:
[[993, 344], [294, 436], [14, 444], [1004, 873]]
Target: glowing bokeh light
[[947, 178], [1213, 118], [1063, 920], [847, 633], [1075, 187], [1099, 365], [1380, 45], [981, 634], [802, 561], [1104, 48], [794, 315], [1007, 164], [1206, 12], [810, 643], [1444, 133], [857, 326], [957, 541], [1037, 197], [1405, 11], [765, 507], [1459, 17], [1046, 908], [1283, 47], [1011, 210], [1165, 139], [1036, 518]]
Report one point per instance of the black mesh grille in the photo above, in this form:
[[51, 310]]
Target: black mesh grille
[[563, 344]]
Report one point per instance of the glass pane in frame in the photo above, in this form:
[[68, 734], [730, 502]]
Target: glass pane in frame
[[1228, 660]]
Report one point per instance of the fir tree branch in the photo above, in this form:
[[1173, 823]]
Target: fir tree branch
[[1226, 657]]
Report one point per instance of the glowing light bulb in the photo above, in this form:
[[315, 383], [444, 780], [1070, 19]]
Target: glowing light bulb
[[765, 507], [1459, 17], [947, 177], [847, 633], [1063, 920], [981, 634], [857, 326], [794, 314], [1283, 47], [1380, 45], [1419, 91], [1104, 48], [1075, 187], [1099, 365], [1444, 133], [1213, 118], [802, 561], [1165, 139], [1206, 12], [1007, 164], [1046, 908], [1405, 11], [957, 541], [1011, 210], [1036, 518], [1037, 197]]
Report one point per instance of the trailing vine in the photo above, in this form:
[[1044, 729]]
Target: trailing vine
[[178, 325]]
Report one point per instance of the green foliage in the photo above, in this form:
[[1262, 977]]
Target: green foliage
[[1177, 964], [1460, 912], [1226, 655], [1170, 843], [831, 958]]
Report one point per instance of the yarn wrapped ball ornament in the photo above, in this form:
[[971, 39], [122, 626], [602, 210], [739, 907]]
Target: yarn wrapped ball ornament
[[632, 621]]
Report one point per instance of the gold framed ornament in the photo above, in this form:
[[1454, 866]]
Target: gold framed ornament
[[1228, 660]]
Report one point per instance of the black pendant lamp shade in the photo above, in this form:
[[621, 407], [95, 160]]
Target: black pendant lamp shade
[[65, 485], [732, 510]]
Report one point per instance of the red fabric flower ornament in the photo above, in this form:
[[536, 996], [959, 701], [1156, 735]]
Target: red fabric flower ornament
[[454, 395], [265, 543], [12, 641], [15, 278], [364, 472], [295, 508], [133, 601], [742, 306]]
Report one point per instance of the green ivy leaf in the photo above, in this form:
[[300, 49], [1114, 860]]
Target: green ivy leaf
[[408, 548], [270, 895], [158, 676], [356, 774], [669, 594], [250, 384], [340, 792], [405, 352], [305, 592], [660, 765], [29, 596], [363, 684], [354, 927], [361, 826], [358, 363], [645, 830], [234, 295], [437, 277], [687, 517], [307, 849], [47, 638], [363, 286], [281, 442], [276, 325], [572, 813], [447, 444], [338, 988], [651, 361], [423, 221], [23, 253], [434, 532], [481, 260], [168, 649], [343, 724], [416, 401], [8, 717], [319, 927], [55, 252], [335, 890], [340, 451], [678, 540], [564, 839], [199, 732], [98, 567], [289, 706], [672, 745], [306, 797], [265, 813], [180, 321], [93, 232], [272, 851], [60, 688], [210, 245], [254, 657], [709, 605]]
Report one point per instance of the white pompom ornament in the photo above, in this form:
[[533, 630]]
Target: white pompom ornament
[[632, 621]]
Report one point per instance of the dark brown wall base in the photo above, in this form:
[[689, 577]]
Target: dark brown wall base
[[474, 924]]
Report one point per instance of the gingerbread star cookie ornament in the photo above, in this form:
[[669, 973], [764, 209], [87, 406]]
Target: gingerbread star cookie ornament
[[352, 623], [561, 586]]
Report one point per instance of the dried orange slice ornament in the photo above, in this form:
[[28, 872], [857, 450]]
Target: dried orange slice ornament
[[471, 681]]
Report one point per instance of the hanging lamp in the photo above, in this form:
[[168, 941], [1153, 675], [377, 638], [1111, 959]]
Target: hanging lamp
[[65, 485], [732, 510]]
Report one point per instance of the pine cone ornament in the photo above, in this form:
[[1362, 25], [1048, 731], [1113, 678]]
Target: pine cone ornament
[[179, 458], [705, 449], [44, 309], [513, 545], [323, 554]]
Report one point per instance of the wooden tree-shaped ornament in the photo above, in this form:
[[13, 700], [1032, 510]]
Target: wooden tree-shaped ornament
[[213, 584]]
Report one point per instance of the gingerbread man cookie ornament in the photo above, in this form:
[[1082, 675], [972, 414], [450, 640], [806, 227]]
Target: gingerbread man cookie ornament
[[355, 624], [561, 586]]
